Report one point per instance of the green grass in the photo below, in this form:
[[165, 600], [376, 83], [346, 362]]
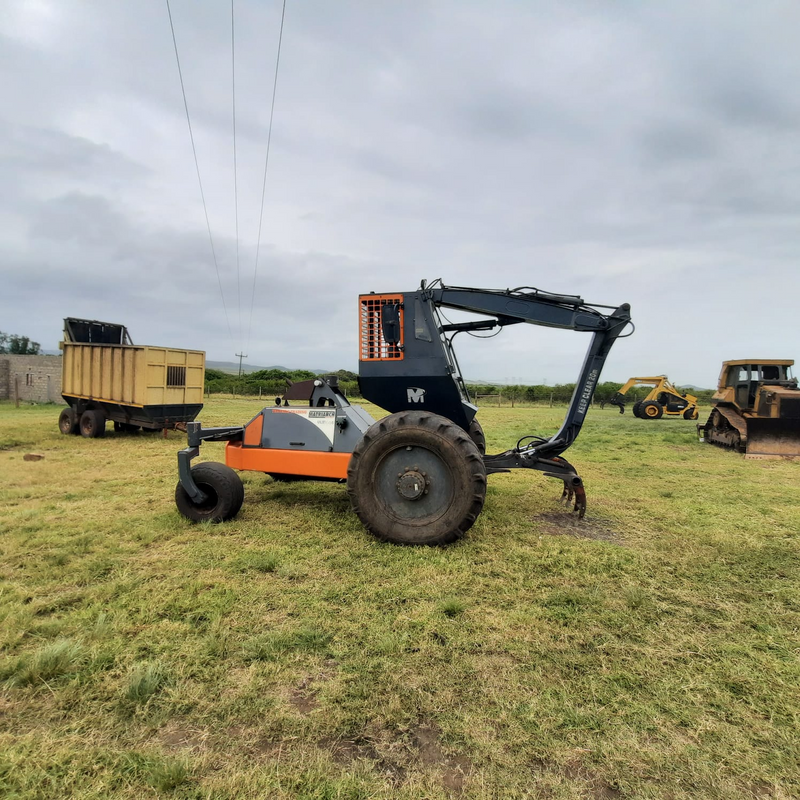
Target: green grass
[[650, 651]]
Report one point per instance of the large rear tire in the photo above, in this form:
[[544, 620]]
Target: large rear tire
[[477, 435], [68, 421], [651, 410], [223, 489], [637, 409], [416, 478], [93, 424]]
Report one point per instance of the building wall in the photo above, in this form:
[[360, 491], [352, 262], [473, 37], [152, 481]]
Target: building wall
[[37, 378]]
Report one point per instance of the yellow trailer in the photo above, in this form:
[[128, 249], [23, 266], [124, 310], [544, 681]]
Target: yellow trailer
[[106, 377]]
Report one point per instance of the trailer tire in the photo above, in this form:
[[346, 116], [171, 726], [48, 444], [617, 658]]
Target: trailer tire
[[93, 424], [68, 421], [224, 490], [477, 435], [416, 478], [637, 408], [651, 410]]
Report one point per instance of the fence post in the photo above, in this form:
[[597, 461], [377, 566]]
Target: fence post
[[551, 399], [16, 391]]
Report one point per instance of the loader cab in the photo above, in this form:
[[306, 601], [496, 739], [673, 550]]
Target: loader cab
[[672, 402]]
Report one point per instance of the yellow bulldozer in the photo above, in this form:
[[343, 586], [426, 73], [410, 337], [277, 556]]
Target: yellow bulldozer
[[756, 409], [664, 400]]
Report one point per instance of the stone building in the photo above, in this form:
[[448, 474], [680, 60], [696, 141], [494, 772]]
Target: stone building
[[35, 379]]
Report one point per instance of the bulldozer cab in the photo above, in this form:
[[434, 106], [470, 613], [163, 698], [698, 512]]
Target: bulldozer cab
[[745, 379]]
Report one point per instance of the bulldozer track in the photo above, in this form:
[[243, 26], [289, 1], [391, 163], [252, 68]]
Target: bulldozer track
[[725, 428]]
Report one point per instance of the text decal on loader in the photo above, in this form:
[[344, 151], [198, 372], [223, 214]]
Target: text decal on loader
[[588, 389], [415, 395]]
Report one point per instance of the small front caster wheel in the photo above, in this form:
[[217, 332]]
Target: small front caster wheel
[[223, 489]]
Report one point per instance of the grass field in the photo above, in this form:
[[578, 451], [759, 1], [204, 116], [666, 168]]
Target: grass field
[[650, 651]]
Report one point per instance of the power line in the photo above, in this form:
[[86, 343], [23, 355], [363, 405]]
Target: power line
[[266, 166], [235, 171], [197, 168]]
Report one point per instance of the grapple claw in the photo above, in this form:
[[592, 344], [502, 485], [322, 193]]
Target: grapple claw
[[580, 502], [574, 494]]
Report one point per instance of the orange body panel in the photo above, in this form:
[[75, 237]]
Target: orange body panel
[[252, 432], [312, 463]]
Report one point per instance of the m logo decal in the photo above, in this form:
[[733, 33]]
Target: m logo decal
[[415, 395]]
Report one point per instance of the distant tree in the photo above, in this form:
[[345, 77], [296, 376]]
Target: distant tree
[[216, 374], [18, 345], [268, 375], [346, 375], [302, 375]]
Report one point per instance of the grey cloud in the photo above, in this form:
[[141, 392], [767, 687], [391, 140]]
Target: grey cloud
[[668, 142]]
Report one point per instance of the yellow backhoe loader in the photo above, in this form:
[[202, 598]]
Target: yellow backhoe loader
[[756, 409], [664, 399]]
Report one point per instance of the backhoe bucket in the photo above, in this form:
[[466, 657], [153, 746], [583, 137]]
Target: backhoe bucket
[[772, 438]]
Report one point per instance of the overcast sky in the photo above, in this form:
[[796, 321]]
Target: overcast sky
[[625, 151]]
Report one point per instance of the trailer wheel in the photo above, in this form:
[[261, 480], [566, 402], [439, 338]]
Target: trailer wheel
[[651, 410], [224, 494], [477, 435], [416, 478], [68, 421], [93, 424]]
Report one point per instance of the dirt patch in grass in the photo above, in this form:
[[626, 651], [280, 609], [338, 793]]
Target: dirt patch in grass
[[254, 744], [303, 699], [176, 736], [455, 768], [394, 754], [303, 696], [555, 524], [599, 789], [346, 752]]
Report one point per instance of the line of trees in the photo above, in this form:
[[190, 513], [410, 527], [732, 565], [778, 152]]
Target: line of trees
[[18, 345], [272, 383]]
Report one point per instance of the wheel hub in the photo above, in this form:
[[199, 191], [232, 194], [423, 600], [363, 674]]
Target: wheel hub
[[412, 484]]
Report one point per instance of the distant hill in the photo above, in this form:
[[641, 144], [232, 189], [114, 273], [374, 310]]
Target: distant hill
[[233, 367]]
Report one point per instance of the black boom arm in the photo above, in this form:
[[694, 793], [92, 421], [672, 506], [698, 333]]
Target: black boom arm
[[555, 311]]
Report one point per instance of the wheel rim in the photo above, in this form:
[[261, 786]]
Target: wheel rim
[[651, 411], [414, 485], [212, 498]]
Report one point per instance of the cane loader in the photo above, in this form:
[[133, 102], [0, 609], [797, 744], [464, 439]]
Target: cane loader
[[417, 476], [664, 399], [756, 409]]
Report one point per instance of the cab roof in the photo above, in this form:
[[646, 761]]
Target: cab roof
[[781, 362]]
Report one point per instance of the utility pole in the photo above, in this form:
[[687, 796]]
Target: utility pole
[[240, 356]]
